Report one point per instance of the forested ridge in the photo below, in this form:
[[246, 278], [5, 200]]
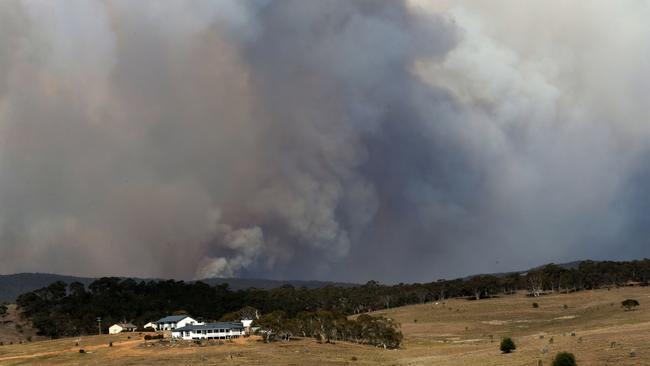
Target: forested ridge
[[62, 309], [13, 285]]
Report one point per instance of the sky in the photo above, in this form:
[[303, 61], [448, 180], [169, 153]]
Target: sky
[[347, 140]]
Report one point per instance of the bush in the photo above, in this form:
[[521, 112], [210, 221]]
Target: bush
[[508, 345], [110, 344], [629, 304], [82, 351], [149, 337], [564, 359], [535, 305]]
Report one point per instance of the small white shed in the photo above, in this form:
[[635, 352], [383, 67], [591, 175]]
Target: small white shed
[[121, 327]]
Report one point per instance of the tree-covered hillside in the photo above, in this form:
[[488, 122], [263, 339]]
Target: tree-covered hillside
[[71, 309]]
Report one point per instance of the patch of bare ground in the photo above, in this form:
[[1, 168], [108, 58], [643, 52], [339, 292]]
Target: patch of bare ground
[[590, 324]]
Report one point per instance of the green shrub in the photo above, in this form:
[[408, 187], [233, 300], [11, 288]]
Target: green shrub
[[535, 305], [82, 351], [629, 304], [564, 359], [508, 345]]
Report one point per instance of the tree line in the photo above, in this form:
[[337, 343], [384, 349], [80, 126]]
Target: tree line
[[71, 309], [329, 327]]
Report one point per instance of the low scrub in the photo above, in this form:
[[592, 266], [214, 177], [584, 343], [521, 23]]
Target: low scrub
[[507, 345], [149, 337], [564, 359], [630, 304]]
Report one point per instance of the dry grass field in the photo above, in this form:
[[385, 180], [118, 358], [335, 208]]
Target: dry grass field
[[456, 332]]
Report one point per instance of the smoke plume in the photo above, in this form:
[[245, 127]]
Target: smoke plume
[[332, 139]]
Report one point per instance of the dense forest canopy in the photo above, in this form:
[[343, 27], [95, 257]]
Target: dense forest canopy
[[62, 309]]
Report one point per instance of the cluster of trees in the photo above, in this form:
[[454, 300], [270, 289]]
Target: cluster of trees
[[329, 327], [70, 310]]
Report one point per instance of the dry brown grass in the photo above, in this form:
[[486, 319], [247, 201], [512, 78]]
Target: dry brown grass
[[15, 330], [456, 332]]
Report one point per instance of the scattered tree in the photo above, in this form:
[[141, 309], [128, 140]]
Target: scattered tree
[[507, 345], [564, 359], [629, 304]]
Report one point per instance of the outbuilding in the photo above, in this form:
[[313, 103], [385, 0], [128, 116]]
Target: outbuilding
[[121, 327]]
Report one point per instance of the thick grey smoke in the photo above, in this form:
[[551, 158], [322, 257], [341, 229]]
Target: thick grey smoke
[[333, 139]]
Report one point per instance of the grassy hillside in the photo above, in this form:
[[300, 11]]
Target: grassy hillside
[[14, 330], [456, 332]]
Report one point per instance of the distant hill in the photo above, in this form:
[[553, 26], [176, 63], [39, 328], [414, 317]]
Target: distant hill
[[13, 285], [569, 265], [244, 283]]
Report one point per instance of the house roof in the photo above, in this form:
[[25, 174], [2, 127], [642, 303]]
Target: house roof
[[125, 325], [172, 319], [221, 325]]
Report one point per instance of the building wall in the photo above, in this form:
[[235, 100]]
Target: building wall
[[184, 322], [114, 329], [180, 324], [228, 334]]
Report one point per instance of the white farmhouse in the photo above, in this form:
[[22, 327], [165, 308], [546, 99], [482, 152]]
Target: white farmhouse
[[152, 325], [174, 321], [209, 331], [121, 327]]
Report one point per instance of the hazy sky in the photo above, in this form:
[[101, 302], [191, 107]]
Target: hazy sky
[[329, 139]]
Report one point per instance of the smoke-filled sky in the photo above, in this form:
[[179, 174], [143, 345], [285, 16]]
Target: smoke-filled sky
[[330, 139]]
